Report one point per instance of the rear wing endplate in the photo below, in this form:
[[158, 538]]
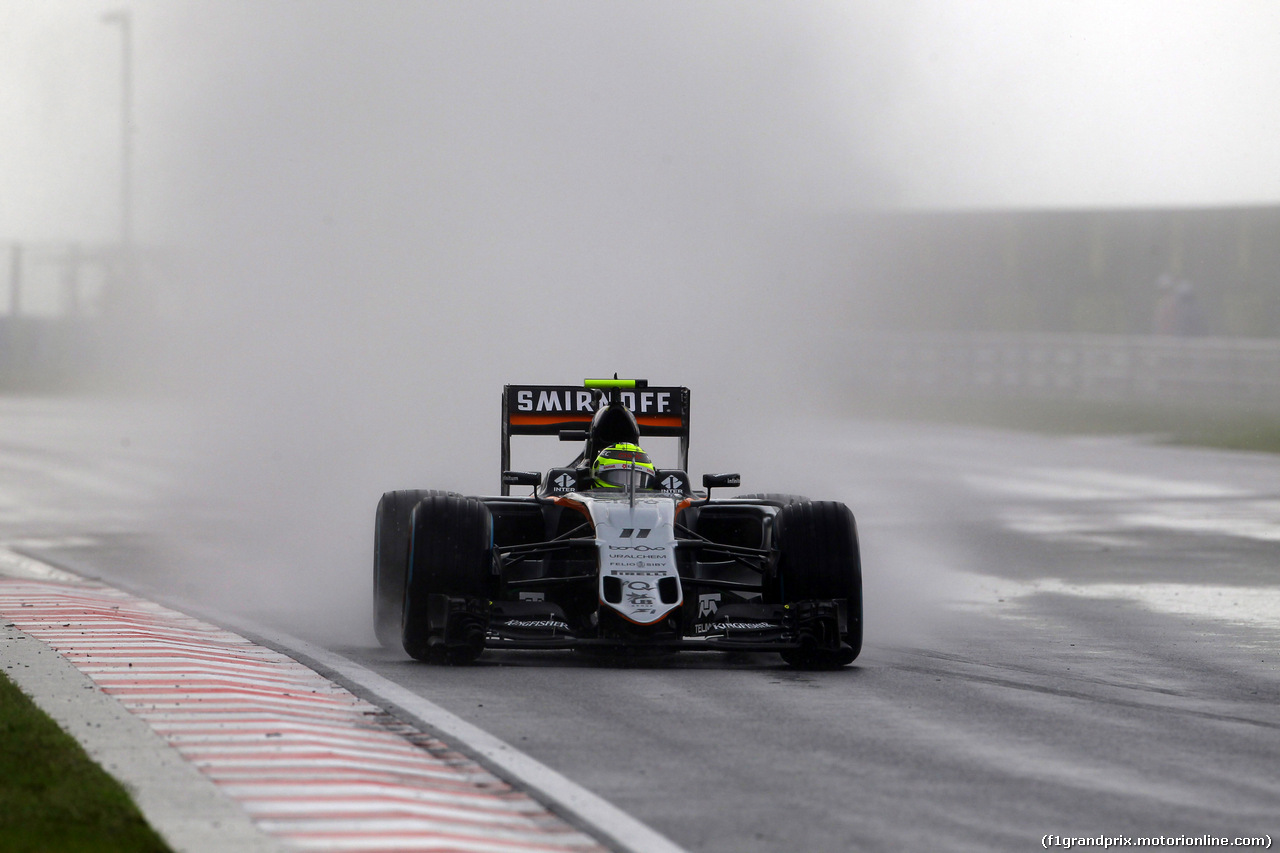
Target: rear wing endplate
[[548, 409]]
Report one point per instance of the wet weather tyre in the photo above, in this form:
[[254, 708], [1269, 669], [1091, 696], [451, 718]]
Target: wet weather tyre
[[450, 562], [391, 533], [819, 559]]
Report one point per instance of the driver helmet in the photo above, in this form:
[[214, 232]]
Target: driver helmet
[[618, 465]]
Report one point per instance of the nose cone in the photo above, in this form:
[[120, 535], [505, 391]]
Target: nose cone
[[638, 575]]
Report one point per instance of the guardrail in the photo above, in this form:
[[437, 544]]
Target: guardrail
[[1230, 372]]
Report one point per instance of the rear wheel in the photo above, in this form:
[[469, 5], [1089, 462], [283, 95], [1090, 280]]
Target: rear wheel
[[391, 533], [450, 560], [819, 560]]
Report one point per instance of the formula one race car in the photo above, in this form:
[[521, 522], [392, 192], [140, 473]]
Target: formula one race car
[[613, 554]]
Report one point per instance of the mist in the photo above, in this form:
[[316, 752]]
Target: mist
[[386, 212], [356, 222]]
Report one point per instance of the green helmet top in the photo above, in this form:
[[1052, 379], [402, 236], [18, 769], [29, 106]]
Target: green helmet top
[[618, 465]]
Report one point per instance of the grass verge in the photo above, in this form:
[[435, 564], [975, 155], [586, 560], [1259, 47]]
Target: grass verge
[[53, 797]]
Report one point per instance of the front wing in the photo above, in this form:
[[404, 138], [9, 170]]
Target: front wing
[[737, 627]]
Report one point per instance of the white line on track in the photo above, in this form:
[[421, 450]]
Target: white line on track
[[620, 829], [278, 737]]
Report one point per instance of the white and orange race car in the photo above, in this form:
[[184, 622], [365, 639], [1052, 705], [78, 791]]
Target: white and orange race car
[[633, 563]]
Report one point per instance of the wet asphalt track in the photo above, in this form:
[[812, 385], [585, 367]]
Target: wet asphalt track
[[1072, 637]]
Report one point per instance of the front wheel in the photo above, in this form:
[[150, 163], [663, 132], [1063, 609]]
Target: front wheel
[[391, 532], [450, 576], [819, 559]]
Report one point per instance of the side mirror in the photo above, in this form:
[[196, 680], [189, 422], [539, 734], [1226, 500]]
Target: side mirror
[[574, 435], [521, 478], [719, 481]]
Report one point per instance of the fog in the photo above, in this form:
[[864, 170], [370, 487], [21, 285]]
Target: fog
[[386, 212], [374, 215]]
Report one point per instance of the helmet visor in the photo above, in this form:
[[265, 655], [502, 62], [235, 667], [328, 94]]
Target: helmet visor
[[623, 475]]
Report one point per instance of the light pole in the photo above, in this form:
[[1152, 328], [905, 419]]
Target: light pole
[[122, 17]]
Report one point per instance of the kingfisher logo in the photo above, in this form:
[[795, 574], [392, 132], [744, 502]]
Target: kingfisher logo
[[553, 624]]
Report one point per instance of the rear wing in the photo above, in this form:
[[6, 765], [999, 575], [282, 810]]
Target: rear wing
[[548, 409]]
